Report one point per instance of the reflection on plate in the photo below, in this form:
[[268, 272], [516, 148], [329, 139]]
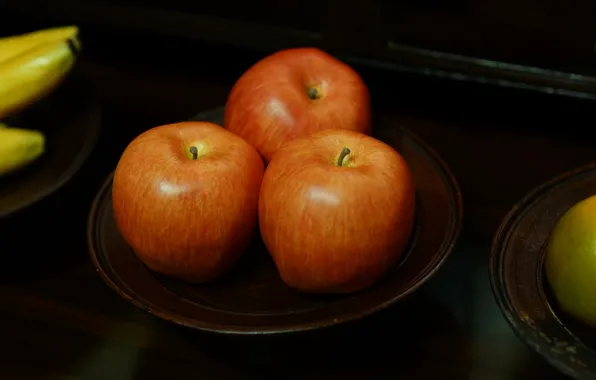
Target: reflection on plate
[[70, 120], [519, 283], [252, 298]]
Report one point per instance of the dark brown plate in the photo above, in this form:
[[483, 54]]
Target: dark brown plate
[[252, 298], [70, 120], [519, 284]]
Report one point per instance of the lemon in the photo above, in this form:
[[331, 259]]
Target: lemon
[[571, 261]]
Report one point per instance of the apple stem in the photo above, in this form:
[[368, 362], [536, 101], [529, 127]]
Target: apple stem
[[313, 93], [342, 155], [195, 152]]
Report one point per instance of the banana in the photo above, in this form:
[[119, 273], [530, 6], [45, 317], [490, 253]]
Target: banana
[[18, 148], [15, 45], [34, 73]]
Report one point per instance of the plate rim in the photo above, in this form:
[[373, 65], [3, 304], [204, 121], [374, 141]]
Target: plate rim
[[496, 263], [447, 247], [95, 107]]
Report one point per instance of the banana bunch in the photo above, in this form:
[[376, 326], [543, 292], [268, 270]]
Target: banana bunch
[[32, 65]]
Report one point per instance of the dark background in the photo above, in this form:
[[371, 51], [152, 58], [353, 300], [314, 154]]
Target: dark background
[[475, 79], [479, 39]]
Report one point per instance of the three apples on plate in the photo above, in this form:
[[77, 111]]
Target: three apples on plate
[[294, 160]]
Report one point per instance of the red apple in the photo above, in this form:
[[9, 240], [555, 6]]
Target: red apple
[[294, 93], [336, 211], [185, 198]]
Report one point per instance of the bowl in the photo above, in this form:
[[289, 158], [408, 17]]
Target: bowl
[[252, 299], [70, 119], [518, 279]]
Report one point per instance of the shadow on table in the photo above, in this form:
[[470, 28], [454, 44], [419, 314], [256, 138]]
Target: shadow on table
[[417, 339]]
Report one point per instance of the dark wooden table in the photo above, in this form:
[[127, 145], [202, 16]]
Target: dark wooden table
[[59, 321]]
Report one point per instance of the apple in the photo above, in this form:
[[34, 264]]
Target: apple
[[293, 93], [185, 199], [336, 211]]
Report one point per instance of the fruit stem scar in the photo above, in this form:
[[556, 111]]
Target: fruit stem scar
[[342, 155], [195, 152], [312, 93], [72, 46]]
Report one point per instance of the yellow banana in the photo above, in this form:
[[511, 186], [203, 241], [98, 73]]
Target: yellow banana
[[33, 74], [18, 148], [12, 46]]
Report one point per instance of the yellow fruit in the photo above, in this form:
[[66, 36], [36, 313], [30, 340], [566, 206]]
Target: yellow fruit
[[15, 45], [571, 261], [18, 148], [33, 74]]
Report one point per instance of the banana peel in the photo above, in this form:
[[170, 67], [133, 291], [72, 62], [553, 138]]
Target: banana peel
[[31, 75], [13, 46], [18, 148]]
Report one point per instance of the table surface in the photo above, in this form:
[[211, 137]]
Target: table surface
[[59, 321]]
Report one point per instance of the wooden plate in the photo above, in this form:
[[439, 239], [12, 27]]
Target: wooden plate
[[519, 282], [70, 119], [252, 298]]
